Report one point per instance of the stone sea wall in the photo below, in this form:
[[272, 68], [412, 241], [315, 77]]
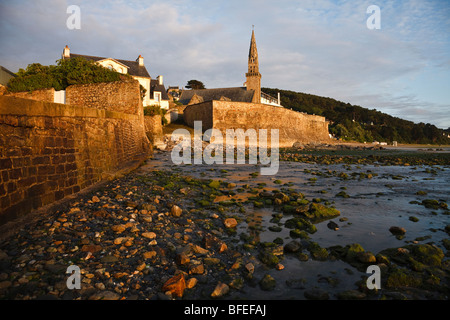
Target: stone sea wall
[[293, 126], [49, 151]]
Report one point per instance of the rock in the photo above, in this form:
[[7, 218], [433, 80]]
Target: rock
[[397, 230], [55, 268], [282, 197], [182, 259], [279, 266], [318, 212], [292, 247], [118, 228], [3, 255], [212, 261], [351, 295], [333, 226], [149, 254], [215, 184], [366, 257], [210, 241], [100, 286], [109, 259], [266, 194], [220, 290], [191, 283], [175, 285], [353, 250], [250, 267], [267, 283], [176, 211], [230, 222], [297, 145], [120, 240], [199, 250], [197, 269], [149, 235], [104, 295], [5, 285], [95, 199], [316, 294], [141, 267]]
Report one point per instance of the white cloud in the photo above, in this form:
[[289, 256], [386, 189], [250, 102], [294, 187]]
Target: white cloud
[[320, 47]]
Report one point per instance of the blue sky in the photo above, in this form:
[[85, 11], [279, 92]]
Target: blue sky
[[320, 47]]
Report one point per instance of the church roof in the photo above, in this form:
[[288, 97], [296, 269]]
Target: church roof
[[134, 68], [239, 94]]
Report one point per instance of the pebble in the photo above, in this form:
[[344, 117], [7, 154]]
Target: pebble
[[230, 223], [149, 235], [176, 211], [220, 290]]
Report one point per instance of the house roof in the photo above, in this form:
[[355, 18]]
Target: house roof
[[155, 86], [239, 94], [134, 68], [8, 72]]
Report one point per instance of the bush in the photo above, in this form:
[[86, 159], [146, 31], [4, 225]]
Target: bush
[[156, 110]]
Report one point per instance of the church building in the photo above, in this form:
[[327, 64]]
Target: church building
[[251, 92]]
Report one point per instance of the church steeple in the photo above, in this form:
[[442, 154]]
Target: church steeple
[[253, 75]]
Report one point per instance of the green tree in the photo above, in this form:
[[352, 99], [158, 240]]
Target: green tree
[[65, 73], [195, 84]]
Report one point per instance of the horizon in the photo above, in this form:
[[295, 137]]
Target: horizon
[[323, 48]]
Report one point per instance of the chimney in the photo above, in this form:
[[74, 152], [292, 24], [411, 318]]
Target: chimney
[[140, 59], [279, 100], [160, 79], [66, 52]]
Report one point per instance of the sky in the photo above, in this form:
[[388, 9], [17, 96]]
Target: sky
[[321, 47]]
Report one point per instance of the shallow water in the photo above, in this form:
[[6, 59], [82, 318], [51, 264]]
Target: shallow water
[[373, 206]]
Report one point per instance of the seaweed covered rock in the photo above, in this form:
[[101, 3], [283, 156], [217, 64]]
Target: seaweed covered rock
[[417, 266], [318, 212]]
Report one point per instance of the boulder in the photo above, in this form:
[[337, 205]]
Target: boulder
[[398, 231]]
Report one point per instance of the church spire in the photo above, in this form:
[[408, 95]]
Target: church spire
[[253, 65], [253, 75]]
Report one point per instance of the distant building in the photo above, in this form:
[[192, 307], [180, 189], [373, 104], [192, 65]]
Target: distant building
[[251, 92], [158, 94], [175, 92], [155, 88], [5, 76]]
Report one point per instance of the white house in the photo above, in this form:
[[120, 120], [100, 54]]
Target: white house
[[134, 68], [158, 94]]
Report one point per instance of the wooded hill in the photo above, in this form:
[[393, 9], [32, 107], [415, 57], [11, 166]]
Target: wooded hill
[[351, 122]]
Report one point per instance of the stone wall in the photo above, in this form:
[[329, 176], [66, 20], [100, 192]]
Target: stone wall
[[199, 112], [49, 151], [120, 96], [293, 126], [40, 95], [153, 128]]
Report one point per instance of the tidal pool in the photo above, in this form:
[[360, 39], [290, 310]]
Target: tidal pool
[[370, 197]]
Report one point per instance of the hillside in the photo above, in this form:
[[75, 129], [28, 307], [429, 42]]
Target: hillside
[[351, 122]]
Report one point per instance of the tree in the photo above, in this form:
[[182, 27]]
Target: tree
[[65, 73], [195, 84]]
